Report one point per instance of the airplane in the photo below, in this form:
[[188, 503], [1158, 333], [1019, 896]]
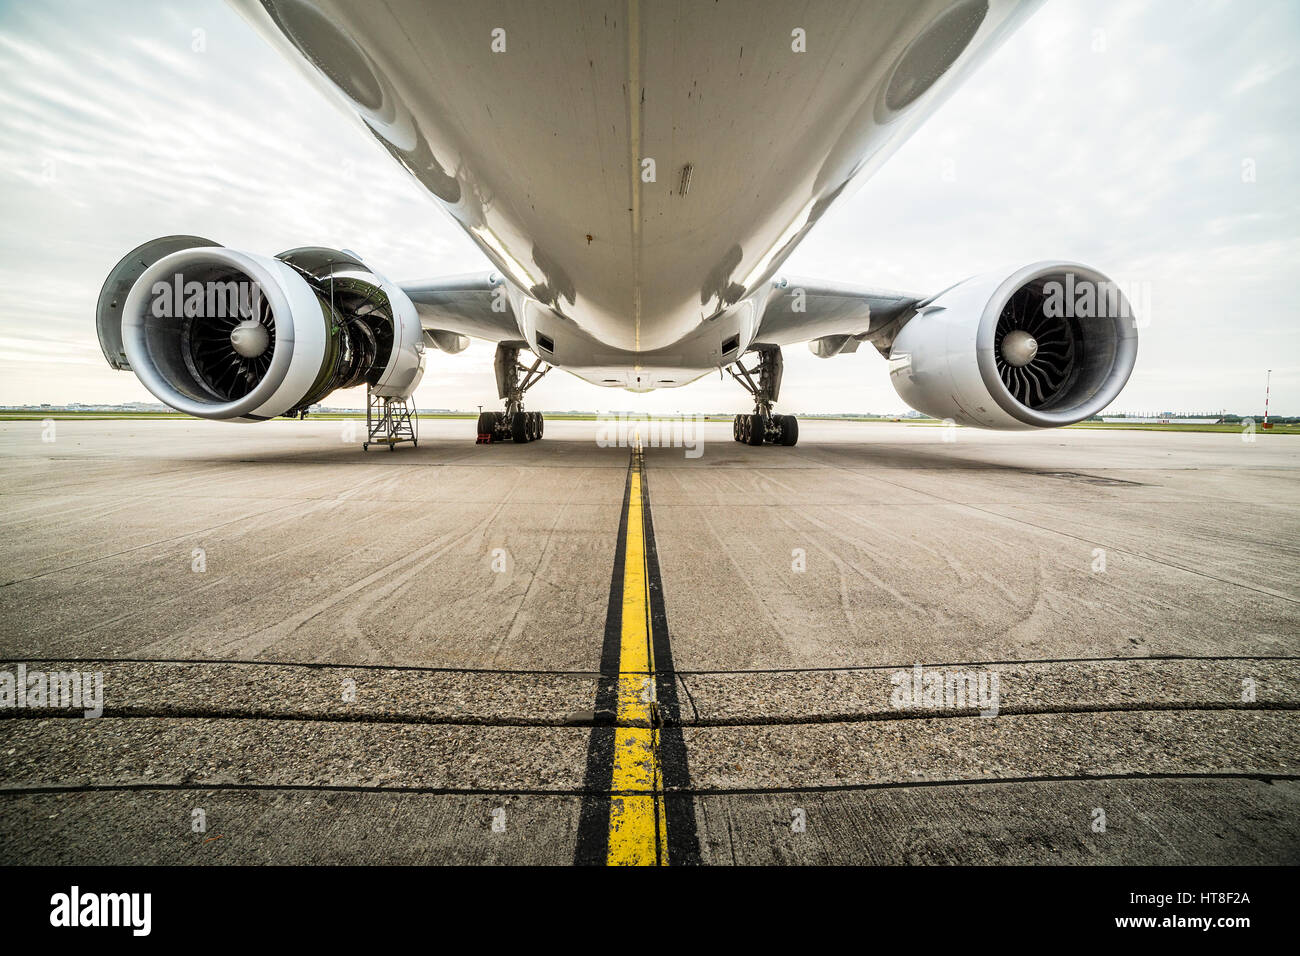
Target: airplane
[[636, 172]]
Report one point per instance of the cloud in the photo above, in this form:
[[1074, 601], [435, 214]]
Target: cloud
[[1112, 132]]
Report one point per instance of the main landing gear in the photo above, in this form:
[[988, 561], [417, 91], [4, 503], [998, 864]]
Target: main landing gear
[[763, 427], [514, 424]]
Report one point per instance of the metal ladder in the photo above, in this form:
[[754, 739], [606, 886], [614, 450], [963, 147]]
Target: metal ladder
[[390, 421]]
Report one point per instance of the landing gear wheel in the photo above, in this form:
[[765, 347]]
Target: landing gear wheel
[[735, 428], [763, 382], [789, 430], [487, 423], [541, 424], [515, 423], [519, 428]]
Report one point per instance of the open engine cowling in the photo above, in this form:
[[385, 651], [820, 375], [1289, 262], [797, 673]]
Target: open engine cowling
[[1049, 345], [233, 336]]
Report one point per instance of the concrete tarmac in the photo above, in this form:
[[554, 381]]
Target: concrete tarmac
[[346, 656]]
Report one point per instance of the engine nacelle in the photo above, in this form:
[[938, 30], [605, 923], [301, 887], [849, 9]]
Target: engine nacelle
[[1049, 345], [233, 336]]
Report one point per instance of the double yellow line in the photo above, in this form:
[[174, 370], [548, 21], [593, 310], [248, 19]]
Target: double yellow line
[[637, 826]]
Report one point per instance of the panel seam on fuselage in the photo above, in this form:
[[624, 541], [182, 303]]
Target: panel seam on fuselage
[[634, 161]]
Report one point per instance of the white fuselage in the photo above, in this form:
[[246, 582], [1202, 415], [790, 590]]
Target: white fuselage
[[639, 170]]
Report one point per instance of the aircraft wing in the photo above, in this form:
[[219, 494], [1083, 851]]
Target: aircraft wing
[[475, 304], [833, 317]]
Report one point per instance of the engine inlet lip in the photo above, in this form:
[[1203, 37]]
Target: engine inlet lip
[[1116, 377], [136, 318]]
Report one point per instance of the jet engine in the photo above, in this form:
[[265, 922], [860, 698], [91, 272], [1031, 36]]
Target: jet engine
[[1051, 344], [235, 336]]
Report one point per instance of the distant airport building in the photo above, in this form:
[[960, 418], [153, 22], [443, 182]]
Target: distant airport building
[[1157, 420]]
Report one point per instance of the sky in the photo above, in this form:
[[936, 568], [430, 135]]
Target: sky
[[1156, 141]]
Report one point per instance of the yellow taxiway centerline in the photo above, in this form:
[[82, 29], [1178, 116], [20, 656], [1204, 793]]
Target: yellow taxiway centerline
[[637, 833]]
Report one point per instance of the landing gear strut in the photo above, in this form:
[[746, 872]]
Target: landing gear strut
[[514, 424], [763, 426]]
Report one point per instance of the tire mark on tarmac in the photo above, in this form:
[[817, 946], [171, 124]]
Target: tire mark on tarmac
[[401, 570], [510, 631], [151, 544], [1066, 534]]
